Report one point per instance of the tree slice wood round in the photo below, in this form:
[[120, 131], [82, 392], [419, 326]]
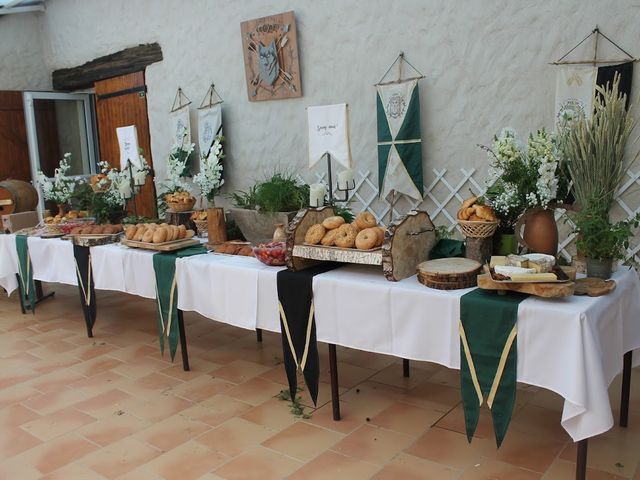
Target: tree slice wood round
[[452, 285], [449, 269], [594, 287]]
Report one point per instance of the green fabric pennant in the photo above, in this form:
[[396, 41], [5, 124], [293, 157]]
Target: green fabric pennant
[[384, 132], [27, 285], [411, 156], [488, 357], [164, 266]]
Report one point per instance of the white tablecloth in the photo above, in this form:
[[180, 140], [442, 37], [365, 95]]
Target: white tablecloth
[[8, 262], [52, 260], [232, 289], [123, 269]]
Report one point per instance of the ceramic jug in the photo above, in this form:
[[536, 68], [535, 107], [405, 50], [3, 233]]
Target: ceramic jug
[[540, 231]]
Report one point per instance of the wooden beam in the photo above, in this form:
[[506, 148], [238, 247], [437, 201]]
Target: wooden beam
[[123, 62]]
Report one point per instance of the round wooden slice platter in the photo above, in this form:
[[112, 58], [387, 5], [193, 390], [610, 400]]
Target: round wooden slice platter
[[449, 273]]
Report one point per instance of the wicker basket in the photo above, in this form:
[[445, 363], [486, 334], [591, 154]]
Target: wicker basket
[[202, 227], [478, 229], [179, 207]]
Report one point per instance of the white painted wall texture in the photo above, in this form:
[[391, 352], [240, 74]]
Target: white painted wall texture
[[486, 66], [22, 65]]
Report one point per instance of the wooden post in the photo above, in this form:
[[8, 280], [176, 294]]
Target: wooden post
[[479, 249], [180, 218], [216, 226]]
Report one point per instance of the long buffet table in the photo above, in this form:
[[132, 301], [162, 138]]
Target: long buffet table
[[573, 346]]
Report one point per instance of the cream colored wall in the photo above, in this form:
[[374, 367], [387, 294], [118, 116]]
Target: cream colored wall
[[22, 65], [486, 64]]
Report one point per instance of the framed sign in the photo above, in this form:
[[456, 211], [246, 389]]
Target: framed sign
[[271, 66]]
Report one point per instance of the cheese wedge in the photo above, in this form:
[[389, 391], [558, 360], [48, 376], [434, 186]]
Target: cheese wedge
[[517, 261], [535, 277], [510, 271], [497, 260]]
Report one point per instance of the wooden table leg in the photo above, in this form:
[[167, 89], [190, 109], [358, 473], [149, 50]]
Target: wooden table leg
[[22, 309], [626, 389], [183, 342], [259, 334], [405, 368], [335, 393], [581, 460]]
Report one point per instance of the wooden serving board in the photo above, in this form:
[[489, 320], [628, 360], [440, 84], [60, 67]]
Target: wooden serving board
[[547, 290], [162, 247], [93, 239], [449, 273], [337, 254], [594, 287]]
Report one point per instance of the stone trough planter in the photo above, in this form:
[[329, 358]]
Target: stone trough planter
[[258, 227]]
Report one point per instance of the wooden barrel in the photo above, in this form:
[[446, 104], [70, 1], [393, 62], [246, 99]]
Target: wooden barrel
[[17, 196]]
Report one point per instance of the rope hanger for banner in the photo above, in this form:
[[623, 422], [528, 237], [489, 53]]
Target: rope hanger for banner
[[401, 59], [178, 99], [594, 61], [212, 101]]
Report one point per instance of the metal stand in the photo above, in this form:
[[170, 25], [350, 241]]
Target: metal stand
[[626, 389], [581, 460], [183, 342], [333, 371], [349, 187], [405, 368]]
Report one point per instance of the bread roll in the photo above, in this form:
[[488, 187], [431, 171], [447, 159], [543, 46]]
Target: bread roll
[[148, 235], [139, 233], [160, 235], [190, 234], [182, 231], [130, 232]]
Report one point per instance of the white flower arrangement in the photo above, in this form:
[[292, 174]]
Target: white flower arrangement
[[59, 188], [209, 180], [522, 177], [114, 187], [179, 167]]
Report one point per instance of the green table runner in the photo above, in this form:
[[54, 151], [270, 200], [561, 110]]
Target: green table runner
[[164, 265], [27, 285], [488, 357]]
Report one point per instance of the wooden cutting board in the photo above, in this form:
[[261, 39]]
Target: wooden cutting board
[[594, 287], [162, 247], [449, 273], [547, 290]]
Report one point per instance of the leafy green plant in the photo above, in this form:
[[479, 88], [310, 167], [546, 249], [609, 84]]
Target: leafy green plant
[[595, 148], [278, 193], [344, 211], [296, 408], [599, 238], [82, 197]]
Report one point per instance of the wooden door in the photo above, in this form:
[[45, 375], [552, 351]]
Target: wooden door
[[122, 101], [14, 150]]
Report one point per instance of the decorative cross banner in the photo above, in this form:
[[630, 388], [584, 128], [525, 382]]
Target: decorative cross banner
[[209, 126], [329, 134], [575, 88], [399, 139]]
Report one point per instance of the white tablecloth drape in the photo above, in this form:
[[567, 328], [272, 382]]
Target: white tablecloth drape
[[52, 260], [123, 269], [228, 288], [8, 262]]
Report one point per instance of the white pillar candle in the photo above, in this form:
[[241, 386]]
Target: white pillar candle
[[316, 195], [125, 189], [345, 177]]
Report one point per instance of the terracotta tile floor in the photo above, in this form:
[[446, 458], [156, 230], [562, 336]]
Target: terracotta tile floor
[[111, 407]]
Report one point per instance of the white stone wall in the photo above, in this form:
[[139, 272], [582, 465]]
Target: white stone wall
[[486, 64], [22, 65]]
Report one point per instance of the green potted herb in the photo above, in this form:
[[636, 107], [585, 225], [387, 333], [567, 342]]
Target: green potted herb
[[600, 240], [269, 202]]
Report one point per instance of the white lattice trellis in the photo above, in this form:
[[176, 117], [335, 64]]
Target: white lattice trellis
[[447, 189]]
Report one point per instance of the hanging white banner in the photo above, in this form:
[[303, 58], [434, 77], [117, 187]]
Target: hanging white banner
[[128, 141], [575, 91], [180, 127], [328, 131], [209, 127]]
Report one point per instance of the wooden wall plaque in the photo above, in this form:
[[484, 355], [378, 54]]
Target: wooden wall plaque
[[270, 46]]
